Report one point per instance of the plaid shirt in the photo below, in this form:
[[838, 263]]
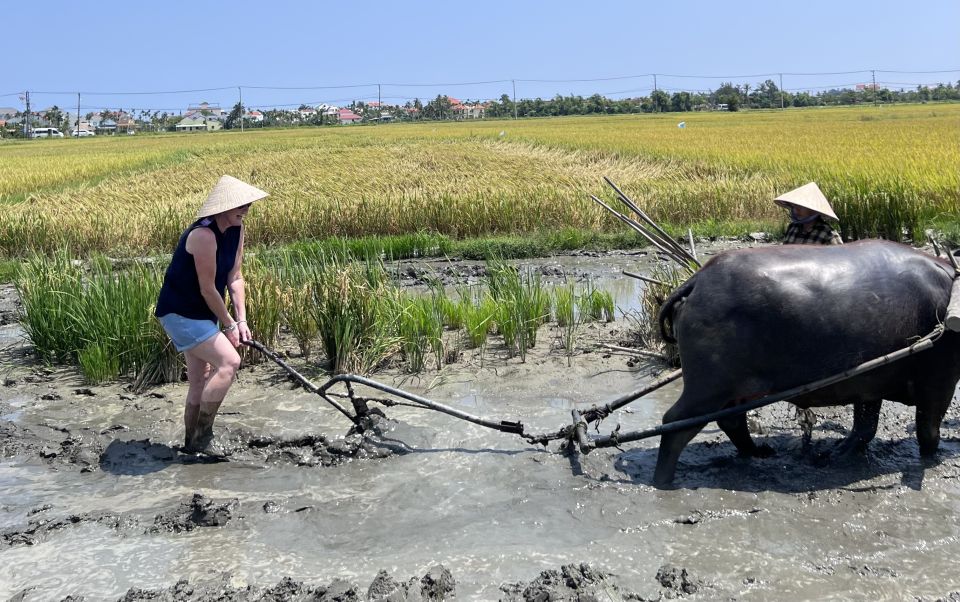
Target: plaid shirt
[[821, 234]]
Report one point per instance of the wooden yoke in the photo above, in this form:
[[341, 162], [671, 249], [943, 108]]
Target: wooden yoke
[[952, 321]]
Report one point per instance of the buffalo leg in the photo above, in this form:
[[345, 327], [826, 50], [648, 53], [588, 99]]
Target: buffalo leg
[[866, 415], [736, 428], [671, 445], [929, 417]]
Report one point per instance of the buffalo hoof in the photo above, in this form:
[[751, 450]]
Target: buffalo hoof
[[759, 451], [764, 451]]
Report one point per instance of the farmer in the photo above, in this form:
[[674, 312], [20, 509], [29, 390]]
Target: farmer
[[192, 305], [809, 210]]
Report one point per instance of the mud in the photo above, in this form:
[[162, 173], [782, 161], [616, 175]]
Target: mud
[[97, 501]]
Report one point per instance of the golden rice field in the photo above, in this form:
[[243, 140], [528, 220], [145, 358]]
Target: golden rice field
[[887, 170]]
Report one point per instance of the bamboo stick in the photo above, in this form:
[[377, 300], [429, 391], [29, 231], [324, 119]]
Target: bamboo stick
[[644, 278], [642, 232], [635, 208]]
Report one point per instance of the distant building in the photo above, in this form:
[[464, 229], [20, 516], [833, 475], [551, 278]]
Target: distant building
[[198, 123], [468, 111], [254, 116], [8, 112], [206, 109], [346, 116]]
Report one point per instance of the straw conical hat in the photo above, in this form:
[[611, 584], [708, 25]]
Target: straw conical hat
[[808, 196], [229, 193]]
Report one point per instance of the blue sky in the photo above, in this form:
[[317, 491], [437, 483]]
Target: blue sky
[[102, 49]]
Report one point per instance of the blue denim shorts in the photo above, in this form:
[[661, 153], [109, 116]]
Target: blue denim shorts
[[186, 333]]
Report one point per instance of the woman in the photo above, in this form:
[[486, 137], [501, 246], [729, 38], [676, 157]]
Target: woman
[[809, 211], [192, 302]]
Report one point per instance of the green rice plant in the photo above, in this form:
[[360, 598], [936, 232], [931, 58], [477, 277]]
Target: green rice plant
[[98, 364], [523, 305], [298, 317], [597, 305], [478, 320], [353, 317], [264, 301], [420, 327], [101, 320], [568, 319]]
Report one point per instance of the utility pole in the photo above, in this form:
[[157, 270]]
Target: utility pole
[[240, 90], [781, 91], [26, 119], [873, 74], [514, 98], [78, 116], [656, 105], [379, 105]]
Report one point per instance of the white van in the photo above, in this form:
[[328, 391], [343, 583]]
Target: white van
[[46, 133]]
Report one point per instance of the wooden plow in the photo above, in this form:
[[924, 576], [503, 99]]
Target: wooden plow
[[576, 433]]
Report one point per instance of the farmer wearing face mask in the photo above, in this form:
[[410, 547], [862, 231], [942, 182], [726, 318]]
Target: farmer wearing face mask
[[809, 212], [192, 305]]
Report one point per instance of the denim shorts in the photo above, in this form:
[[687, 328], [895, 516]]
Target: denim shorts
[[187, 333]]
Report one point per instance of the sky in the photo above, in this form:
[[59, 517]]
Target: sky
[[278, 53]]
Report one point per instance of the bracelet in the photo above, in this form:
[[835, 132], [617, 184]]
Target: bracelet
[[241, 321], [230, 328]]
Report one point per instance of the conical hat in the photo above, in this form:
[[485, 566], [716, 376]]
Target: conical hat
[[808, 196], [229, 193]]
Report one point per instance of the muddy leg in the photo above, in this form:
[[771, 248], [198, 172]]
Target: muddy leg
[[736, 428], [198, 371], [670, 447], [929, 417], [866, 415]]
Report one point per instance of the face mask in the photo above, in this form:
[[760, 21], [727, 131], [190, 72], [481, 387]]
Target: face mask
[[798, 220]]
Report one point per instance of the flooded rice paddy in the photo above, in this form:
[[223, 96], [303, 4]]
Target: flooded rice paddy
[[96, 501]]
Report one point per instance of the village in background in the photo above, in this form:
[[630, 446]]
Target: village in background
[[56, 121]]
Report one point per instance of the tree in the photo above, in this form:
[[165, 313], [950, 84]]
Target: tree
[[233, 119], [660, 101], [728, 94]]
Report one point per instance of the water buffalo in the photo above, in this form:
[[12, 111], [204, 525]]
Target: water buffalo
[[757, 321]]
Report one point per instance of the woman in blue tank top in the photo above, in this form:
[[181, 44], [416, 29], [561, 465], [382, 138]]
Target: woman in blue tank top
[[192, 305]]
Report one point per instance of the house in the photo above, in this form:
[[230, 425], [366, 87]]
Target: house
[[198, 123], [254, 116], [346, 116], [307, 112], [468, 111], [107, 126], [206, 109]]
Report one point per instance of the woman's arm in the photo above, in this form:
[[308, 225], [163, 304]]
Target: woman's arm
[[236, 288], [202, 244]]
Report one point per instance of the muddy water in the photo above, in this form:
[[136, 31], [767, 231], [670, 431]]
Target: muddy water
[[487, 506]]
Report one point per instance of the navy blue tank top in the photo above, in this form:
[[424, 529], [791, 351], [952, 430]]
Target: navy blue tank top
[[180, 293]]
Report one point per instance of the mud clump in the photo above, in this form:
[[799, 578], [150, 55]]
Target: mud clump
[[37, 529], [198, 512], [677, 581], [581, 583], [437, 584]]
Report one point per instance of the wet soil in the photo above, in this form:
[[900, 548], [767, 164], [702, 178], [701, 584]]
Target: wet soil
[[98, 502]]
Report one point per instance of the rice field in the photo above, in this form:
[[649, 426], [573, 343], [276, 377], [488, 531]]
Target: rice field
[[890, 171], [100, 319]]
